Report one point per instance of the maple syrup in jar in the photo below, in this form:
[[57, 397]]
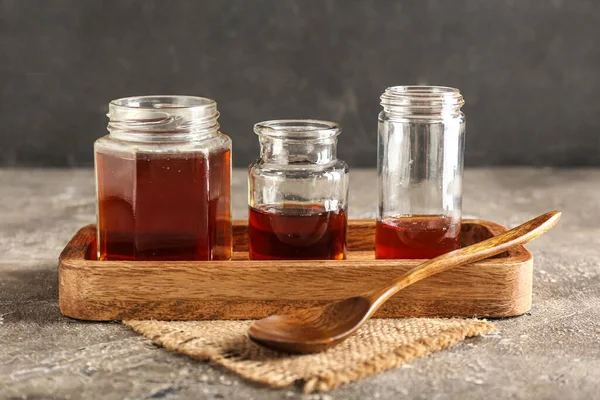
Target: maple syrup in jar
[[163, 177], [298, 193], [420, 168], [416, 237], [297, 231]]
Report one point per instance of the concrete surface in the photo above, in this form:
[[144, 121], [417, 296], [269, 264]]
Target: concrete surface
[[551, 353]]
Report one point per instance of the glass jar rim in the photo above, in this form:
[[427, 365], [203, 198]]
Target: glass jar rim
[[154, 102], [298, 129], [422, 96]]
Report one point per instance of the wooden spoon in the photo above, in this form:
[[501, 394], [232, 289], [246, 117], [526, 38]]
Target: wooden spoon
[[319, 328]]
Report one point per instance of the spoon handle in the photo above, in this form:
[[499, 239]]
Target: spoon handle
[[478, 251]]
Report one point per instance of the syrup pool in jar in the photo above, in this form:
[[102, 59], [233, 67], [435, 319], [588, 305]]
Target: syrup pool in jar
[[297, 231], [416, 237]]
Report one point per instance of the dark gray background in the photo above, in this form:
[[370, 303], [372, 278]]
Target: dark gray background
[[529, 70]]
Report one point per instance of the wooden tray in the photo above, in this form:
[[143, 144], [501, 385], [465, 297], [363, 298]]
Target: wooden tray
[[243, 289]]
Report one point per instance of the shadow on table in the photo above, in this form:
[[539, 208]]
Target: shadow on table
[[30, 294]]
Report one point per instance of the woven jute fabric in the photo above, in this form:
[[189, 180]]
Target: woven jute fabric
[[378, 346]]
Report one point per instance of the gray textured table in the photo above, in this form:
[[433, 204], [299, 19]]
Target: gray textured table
[[552, 352]]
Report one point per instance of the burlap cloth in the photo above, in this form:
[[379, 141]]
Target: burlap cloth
[[378, 346]]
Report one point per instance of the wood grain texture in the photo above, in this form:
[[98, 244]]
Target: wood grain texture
[[243, 289]]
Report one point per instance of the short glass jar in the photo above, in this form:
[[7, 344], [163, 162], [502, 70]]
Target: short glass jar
[[163, 181], [420, 168], [298, 192]]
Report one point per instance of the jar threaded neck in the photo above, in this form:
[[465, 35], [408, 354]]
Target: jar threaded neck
[[162, 118], [430, 100]]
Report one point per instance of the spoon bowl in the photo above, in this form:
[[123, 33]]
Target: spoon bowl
[[319, 328], [315, 329]]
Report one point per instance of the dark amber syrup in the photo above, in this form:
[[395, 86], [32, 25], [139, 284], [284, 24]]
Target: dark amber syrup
[[297, 231], [159, 206], [415, 237]]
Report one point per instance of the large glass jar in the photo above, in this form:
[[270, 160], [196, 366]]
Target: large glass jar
[[420, 167], [163, 177], [298, 192]]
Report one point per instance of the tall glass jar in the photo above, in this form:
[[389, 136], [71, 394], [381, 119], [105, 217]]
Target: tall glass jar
[[420, 167], [163, 177], [298, 192]]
